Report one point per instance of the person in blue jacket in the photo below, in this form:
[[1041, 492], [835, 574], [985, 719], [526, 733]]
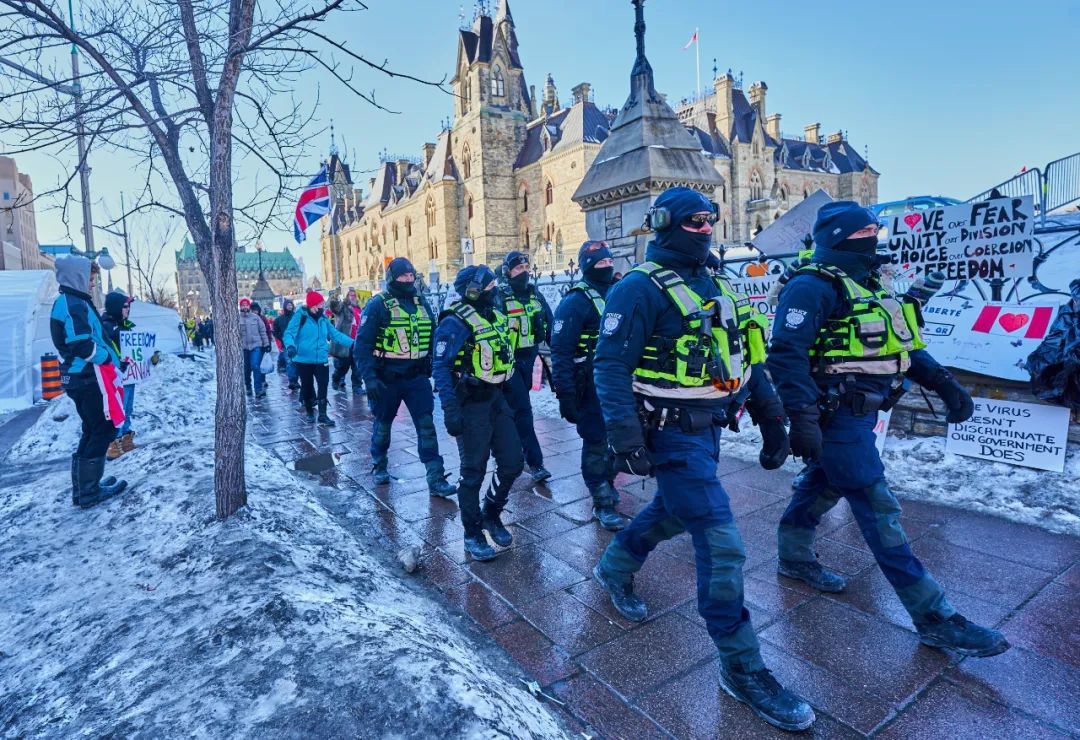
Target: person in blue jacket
[[675, 349], [474, 357], [528, 314], [307, 346], [79, 338], [573, 340], [842, 349], [392, 355]]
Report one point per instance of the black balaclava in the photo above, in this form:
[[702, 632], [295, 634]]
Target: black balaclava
[[481, 274], [590, 253], [683, 203], [400, 266], [519, 283]]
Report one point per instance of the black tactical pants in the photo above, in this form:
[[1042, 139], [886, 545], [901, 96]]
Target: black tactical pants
[[489, 428]]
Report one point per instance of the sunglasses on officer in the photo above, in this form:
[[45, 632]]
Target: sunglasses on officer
[[698, 220]]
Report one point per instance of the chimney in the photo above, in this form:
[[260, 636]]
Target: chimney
[[582, 92], [813, 133], [402, 170], [834, 138], [772, 126], [757, 98], [725, 115], [429, 152]]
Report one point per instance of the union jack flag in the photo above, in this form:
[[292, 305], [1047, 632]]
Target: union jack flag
[[314, 203]]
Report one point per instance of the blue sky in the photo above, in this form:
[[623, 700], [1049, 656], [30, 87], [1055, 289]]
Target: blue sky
[[950, 97]]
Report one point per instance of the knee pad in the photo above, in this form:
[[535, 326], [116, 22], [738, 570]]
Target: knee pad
[[886, 515]]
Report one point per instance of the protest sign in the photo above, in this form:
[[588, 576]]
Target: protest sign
[[757, 289], [1027, 434], [994, 339], [984, 240], [137, 347], [785, 235]]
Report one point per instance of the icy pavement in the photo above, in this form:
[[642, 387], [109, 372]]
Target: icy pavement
[[145, 616]]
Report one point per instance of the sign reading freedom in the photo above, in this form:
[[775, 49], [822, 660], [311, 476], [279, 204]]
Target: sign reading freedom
[[987, 239]]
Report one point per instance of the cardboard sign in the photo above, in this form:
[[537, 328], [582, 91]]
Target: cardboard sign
[[785, 235], [1027, 434], [757, 288], [983, 240], [994, 339], [137, 347]]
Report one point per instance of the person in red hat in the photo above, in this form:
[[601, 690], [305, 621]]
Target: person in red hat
[[307, 345]]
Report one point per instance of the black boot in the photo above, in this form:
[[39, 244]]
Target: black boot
[[604, 499], [379, 474], [494, 526], [769, 700], [91, 491], [813, 573], [961, 636], [539, 474], [323, 418], [436, 479], [622, 595], [478, 547], [309, 412]]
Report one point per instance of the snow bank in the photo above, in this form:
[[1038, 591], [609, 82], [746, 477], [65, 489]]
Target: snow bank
[[147, 616], [919, 468]]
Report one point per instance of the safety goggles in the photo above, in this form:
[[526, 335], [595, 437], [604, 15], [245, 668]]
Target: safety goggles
[[595, 247], [698, 220]]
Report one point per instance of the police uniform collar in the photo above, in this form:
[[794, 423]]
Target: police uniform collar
[[854, 265], [601, 288], [684, 264]]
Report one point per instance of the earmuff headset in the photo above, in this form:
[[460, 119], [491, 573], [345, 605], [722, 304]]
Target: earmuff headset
[[658, 218], [474, 288]]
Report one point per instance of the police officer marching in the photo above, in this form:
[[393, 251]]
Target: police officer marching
[[573, 342], [674, 350], [842, 348], [392, 355], [474, 358], [528, 314]]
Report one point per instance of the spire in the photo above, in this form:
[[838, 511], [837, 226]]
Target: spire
[[551, 96], [503, 13], [333, 144], [641, 76]]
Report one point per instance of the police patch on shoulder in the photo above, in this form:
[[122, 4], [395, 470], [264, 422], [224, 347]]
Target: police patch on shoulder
[[611, 323], [440, 349], [794, 318], [558, 327]]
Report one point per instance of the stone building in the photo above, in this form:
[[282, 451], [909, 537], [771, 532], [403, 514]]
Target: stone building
[[19, 247], [281, 270], [503, 171]]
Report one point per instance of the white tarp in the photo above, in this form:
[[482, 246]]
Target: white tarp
[[164, 322], [26, 298]]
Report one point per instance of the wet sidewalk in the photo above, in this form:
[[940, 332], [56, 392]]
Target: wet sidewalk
[[854, 655]]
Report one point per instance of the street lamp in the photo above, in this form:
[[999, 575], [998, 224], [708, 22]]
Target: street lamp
[[127, 247]]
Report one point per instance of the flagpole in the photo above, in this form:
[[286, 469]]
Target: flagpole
[[697, 59], [333, 232]]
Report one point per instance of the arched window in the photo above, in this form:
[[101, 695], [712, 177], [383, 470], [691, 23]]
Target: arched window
[[783, 195], [433, 249], [466, 94], [755, 186], [383, 234], [805, 194], [725, 229], [395, 232], [466, 162], [549, 193], [408, 227], [469, 206], [497, 90], [430, 212], [524, 200], [723, 193]]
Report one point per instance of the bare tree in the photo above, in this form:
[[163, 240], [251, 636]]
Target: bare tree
[[180, 88]]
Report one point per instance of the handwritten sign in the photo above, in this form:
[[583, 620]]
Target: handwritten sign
[[985, 240], [1027, 434], [137, 347], [786, 234]]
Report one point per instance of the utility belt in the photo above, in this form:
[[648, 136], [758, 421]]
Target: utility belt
[[860, 402], [688, 420], [470, 389], [422, 368]]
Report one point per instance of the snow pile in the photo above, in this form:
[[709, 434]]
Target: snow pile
[[146, 615]]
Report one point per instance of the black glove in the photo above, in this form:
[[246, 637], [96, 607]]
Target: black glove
[[769, 417], [291, 352], [266, 350], [455, 423], [637, 461], [805, 434], [124, 365], [568, 409], [375, 389], [957, 400]]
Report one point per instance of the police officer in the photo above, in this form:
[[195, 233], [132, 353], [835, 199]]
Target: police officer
[[528, 314], [842, 346], [474, 358], [573, 341], [674, 349], [391, 353]]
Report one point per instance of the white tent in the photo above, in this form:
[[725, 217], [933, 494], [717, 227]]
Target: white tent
[[26, 298], [165, 322]]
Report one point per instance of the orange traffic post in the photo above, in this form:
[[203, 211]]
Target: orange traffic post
[[50, 377]]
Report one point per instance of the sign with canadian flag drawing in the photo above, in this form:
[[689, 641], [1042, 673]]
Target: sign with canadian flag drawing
[[989, 338]]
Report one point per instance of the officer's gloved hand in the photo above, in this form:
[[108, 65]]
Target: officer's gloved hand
[[957, 400], [805, 434], [375, 389], [291, 352], [637, 461], [769, 417], [568, 409], [454, 421]]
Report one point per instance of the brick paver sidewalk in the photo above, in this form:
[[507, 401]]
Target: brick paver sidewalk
[[853, 655]]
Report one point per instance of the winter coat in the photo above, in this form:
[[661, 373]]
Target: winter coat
[[253, 332], [281, 323], [311, 335], [1055, 364], [346, 321], [113, 321], [76, 327]]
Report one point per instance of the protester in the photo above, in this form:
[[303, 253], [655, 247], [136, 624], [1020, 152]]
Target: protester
[[208, 327], [307, 344], [115, 320], [281, 323], [197, 334], [255, 342], [89, 374], [347, 321]]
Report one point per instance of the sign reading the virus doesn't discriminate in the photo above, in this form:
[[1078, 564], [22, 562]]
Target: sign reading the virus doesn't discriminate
[[1028, 434], [982, 240]]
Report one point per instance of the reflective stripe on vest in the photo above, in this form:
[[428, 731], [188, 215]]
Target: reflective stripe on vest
[[490, 350], [586, 343], [521, 317], [708, 360], [407, 336], [875, 337]]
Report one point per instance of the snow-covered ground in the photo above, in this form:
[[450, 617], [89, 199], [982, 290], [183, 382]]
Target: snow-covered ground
[[147, 616], [919, 468]]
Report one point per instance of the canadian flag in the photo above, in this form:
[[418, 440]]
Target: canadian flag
[[1029, 322], [692, 41]]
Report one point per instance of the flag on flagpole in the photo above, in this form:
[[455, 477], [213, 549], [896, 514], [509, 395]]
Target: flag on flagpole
[[314, 203], [693, 40]]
